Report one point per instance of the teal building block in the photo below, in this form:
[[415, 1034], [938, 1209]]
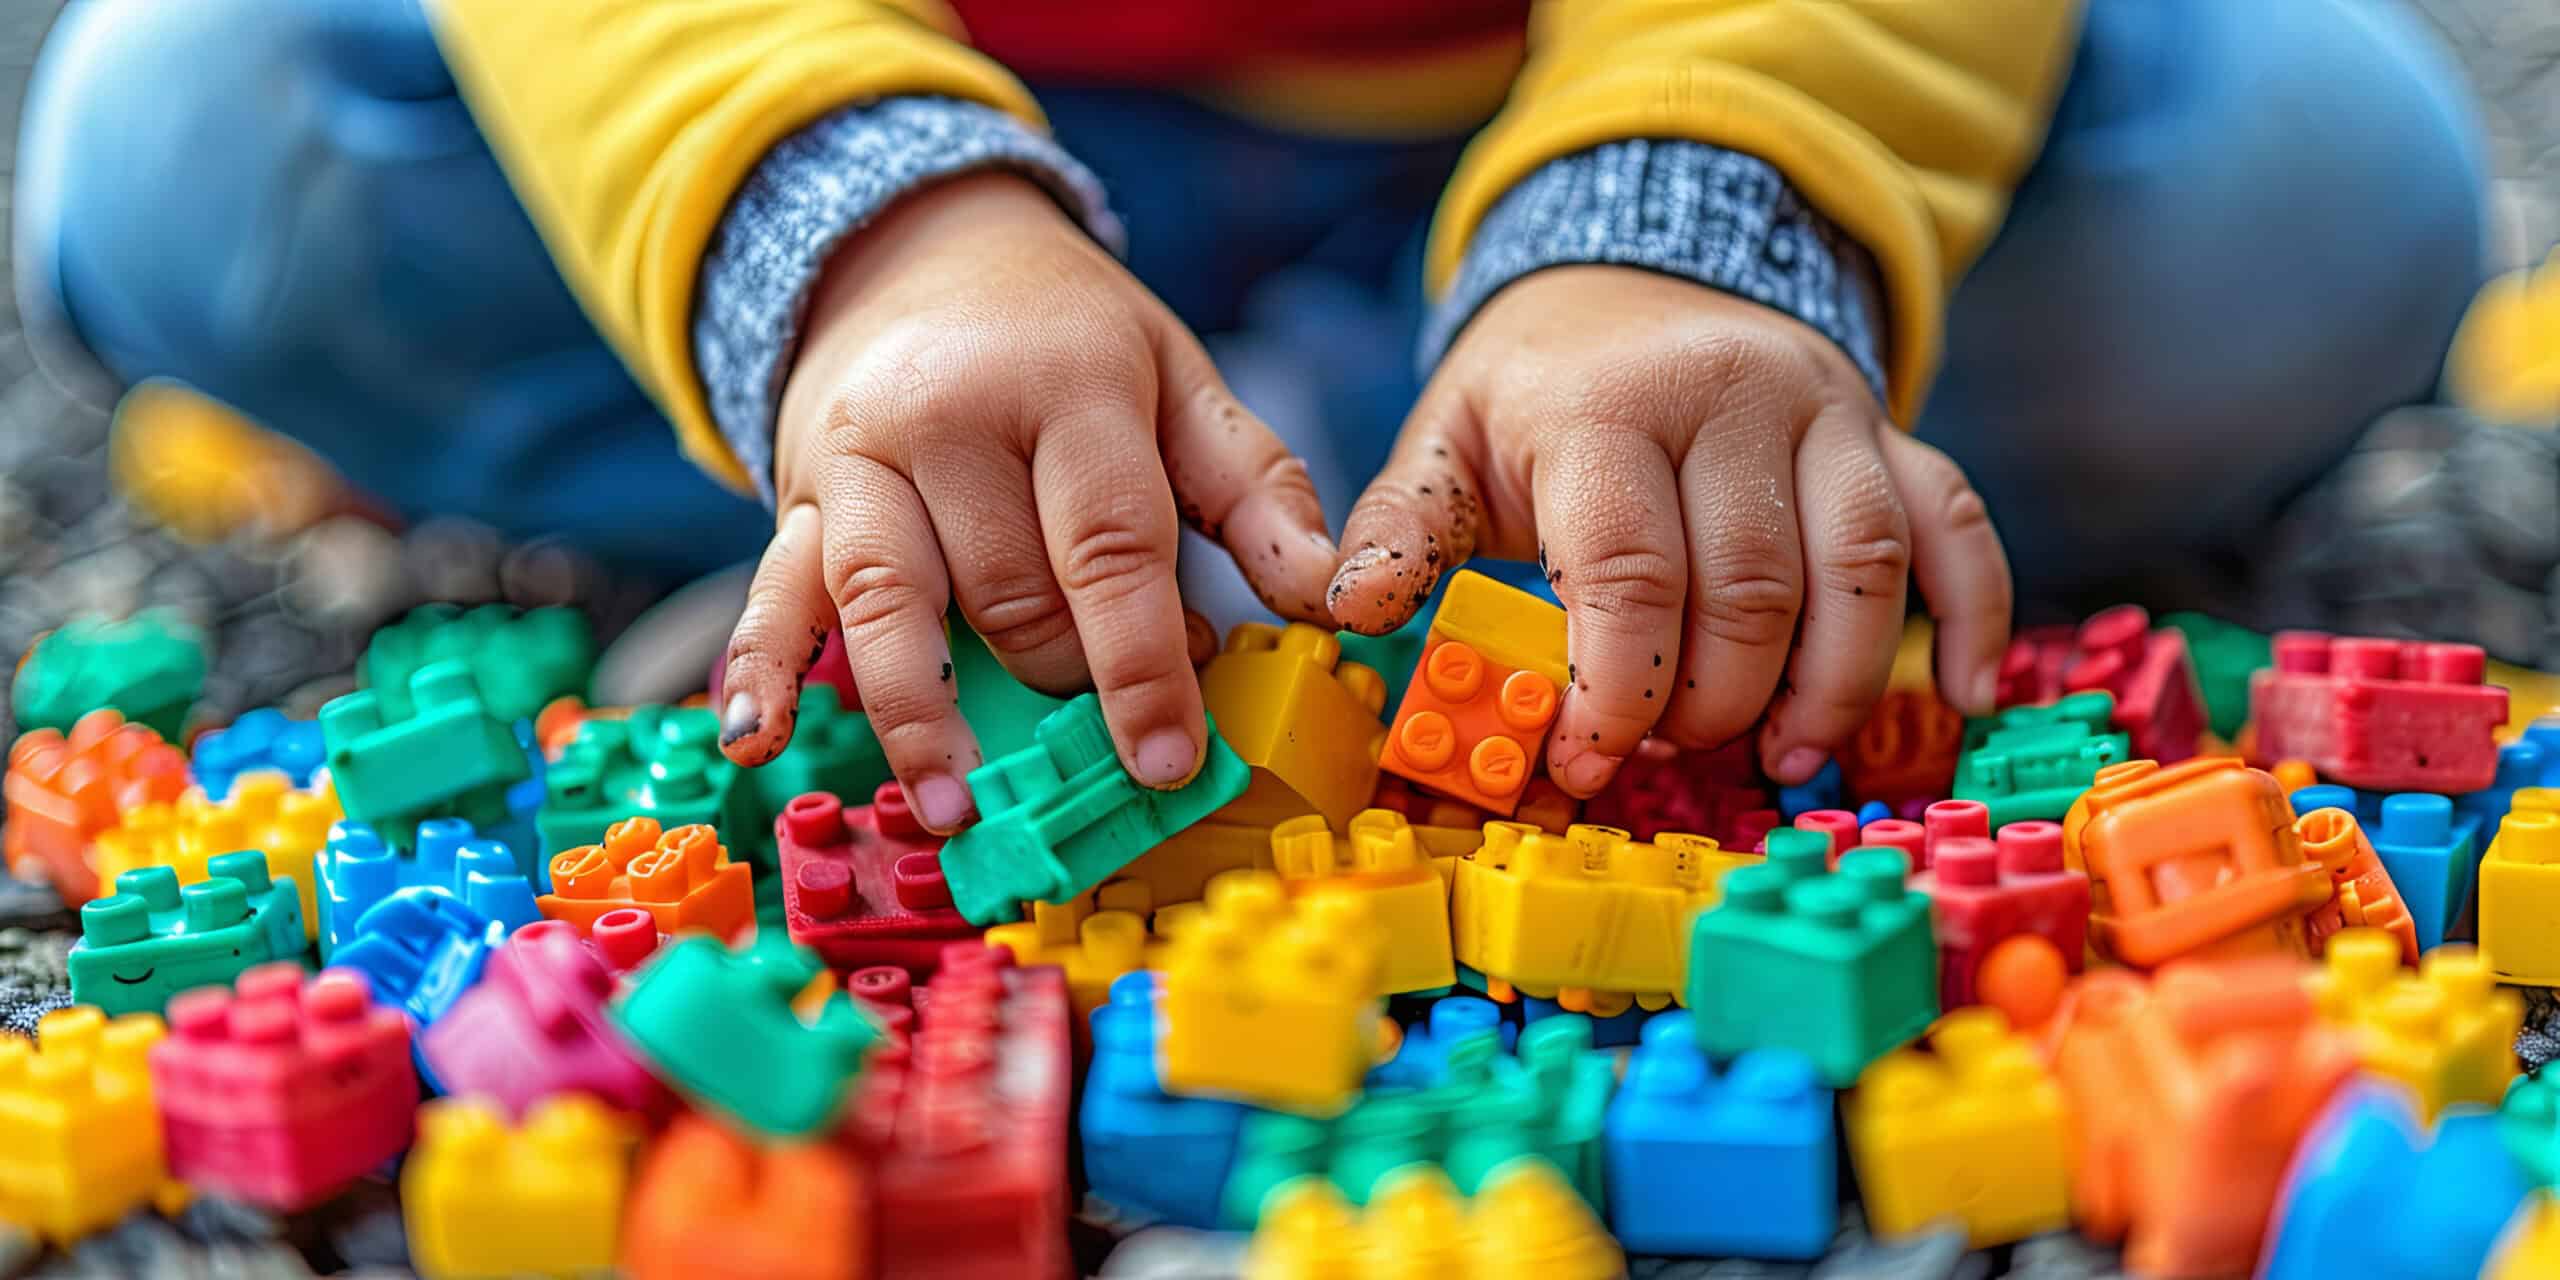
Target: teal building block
[[521, 659], [2033, 762], [1395, 656], [150, 667], [1003, 712], [444, 756], [2225, 654], [663, 763], [832, 749], [719, 1026], [1840, 967], [2529, 1125], [1060, 815], [151, 939]]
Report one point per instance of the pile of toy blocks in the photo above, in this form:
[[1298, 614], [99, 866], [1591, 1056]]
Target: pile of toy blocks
[[2199, 948]]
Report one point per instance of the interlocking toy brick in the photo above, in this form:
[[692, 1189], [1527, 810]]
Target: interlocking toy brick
[[2365, 805], [1302, 716], [264, 813], [863, 886], [535, 1025], [682, 876], [1180, 869], [1840, 826], [2224, 656], [1099, 949], [1760, 1134], [2521, 764], [1903, 836], [148, 668], [544, 1198], [258, 740], [966, 1136], [2432, 855], [832, 749], [285, 1092], [1824, 790], [2011, 921], [83, 1145], [1921, 1124], [1274, 1001], [1058, 817], [1838, 966], [1475, 717], [1379, 862], [421, 949], [2529, 1125], [357, 869], [2530, 1249], [1703, 793], [2386, 715], [1524, 1221], [720, 1026], [1593, 918], [2031, 670], [1422, 1055], [2159, 705], [438, 751], [662, 763], [2372, 1192], [152, 940], [2187, 1094], [1953, 819], [2446, 1032], [62, 791], [1147, 1151], [2032, 762], [2362, 893], [1395, 656], [2520, 897], [709, 1204], [520, 660], [2195, 859], [1906, 750], [1624, 1027]]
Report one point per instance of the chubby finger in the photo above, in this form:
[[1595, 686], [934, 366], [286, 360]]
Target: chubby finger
[[1857, 553], [1746, 574], [1238, 485], [1199, 638], [1417, 521], [978, 487], [1962, 569], [783, 630], [1609, 540]]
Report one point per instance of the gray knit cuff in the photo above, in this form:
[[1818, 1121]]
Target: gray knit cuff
[[809, 192], [1724, 219]]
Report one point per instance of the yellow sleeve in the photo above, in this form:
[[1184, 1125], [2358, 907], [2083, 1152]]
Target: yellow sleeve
[[626, 125], [1905, 122]]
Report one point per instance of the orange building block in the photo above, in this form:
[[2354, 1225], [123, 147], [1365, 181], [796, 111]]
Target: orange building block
[[2187, 1093], [1906, 750], [1476, 714], [710, 1205], [2198, 859], [62, 791], [2362, 892], [682, 878]]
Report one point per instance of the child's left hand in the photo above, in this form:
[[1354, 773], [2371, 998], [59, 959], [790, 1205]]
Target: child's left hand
[[1716, 496]]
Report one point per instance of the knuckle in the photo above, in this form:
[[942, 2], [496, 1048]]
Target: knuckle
[[1874, 565], [1144, 675], [1749, 607], [1110, 560], [871, 595], [1021, 615], [1631, 584]]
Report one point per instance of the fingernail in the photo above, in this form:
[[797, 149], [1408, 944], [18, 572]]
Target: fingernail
[[740, 718], [1799, 765], [1166, 758], [1589, 772], [940, 800], [1986, 691]]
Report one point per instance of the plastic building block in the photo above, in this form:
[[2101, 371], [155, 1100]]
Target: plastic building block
[[2187, 1094], [1475, 718], [708, 1204], [520, 660], [153, 940], [148, 667], [286, 1092], [1271, 1000], [2529, 1124], [1919, 1126], [2521, 764], [263, 813], [1952, 819], [2432, 855], [2365, 805], [1839, 825], [1838, 967], [1824, 790], [1524, 1221], [2530, 1248], [2385, 715], [1145, 1150], [863, 886], [663, 763], [2372, 1194], [1703, 793], [2447, 1032], [421, 949], [1625, 1027], [719, 1025], [260, 739], [1394, 656], [2031, 671], [2520, 897], [1378, 862], [1422, 1056], [1099, 948], [2224, 655], [62, 791], [1901, 835], [1302, 717], [543, 1199], [357, 869], [1906, 750], [437, 752], [1058, 817], [2159, 705], [1180, 869], [535, 1026], [683, 877], [2195, 859], [1760, 1134], [2032, 762], [2364, 896], [83, 1145], [832, 749], [1872, 812], [1592, 919], [2011, 921], [966, 1134]]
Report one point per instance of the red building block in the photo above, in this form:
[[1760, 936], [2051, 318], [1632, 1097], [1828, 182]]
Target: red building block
[[2013, 898], [1952, 820], [2159, 705], [965, 1134], [2384, 715], [2031, 672], [1905, 837], [62, 791], [1705, 793], [863, 886], [1839, 824], [1475, 716], [1905, 751], [286, 1092]]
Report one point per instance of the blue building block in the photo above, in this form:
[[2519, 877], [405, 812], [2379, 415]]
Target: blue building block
[[2432, 857], [260, 739], [2365, 805], [1824, 790], [2533, 762], [421, 949], [1147, 1151], [1423, 1059], [1874, 811], [2369, 1197], [1705, 1166], [357, 869], [1606, 1033]]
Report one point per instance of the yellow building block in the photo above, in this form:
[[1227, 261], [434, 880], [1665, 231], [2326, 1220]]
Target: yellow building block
[[79, 1137], [1273, 1000], [264, 812], [2529, 1249], [2447, 1031], [1180, 869], [1105, 945], [544, 1199], [2535, 800], [2520, 897], [1307, 721], [1524, 1223], [1593, 919], [1500, 621], [1972, 1133], [1378, 861]]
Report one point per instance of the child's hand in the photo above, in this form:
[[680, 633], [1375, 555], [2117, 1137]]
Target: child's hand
[[988, 409], [1706, 481]]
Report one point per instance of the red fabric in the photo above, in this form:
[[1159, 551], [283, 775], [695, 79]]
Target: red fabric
[[1172, 41]]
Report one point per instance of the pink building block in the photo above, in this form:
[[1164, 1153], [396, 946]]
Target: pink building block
[[863, 886], [535, 1027], [2159, 705], [2383, 715]]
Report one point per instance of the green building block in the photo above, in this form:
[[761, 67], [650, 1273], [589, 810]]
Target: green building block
[[663, 763], [1060, 815], [718, 1025], [445, 757], [2529, 1124], [521, 659], [1837, 966], [2033, 762], [1004, 712], [151, 939], [831, 749], [2225, 654], [150, 667], [1394, 656]]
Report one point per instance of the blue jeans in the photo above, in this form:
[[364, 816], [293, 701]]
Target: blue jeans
[[2253, 227]]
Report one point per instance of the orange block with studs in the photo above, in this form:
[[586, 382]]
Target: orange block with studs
[[1476, 714], [682, 878], [2198, 859], [2364, 894], [62, 791]]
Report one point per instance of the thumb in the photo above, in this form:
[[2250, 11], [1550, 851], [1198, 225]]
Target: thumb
[[1419, 520], [1237, 484]]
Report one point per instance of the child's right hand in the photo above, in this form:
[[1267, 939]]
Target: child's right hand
[[987, 408]]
